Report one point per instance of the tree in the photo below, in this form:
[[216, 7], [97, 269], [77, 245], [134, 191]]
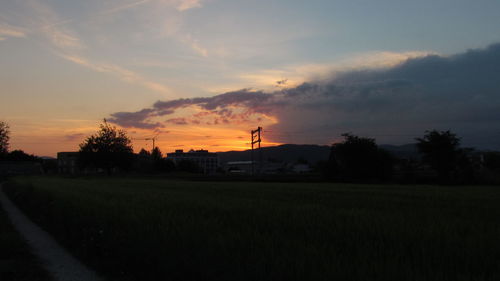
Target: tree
[[359, 158], [144, 153], [4, 138], [441, 151], [19, 155], [108, 149], [161, 164], [157, 158], [156, 154]]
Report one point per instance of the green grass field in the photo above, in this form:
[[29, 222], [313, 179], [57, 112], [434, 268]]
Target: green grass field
[[17, 263], [140, 229]]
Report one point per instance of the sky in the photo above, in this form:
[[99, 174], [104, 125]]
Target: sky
[[202, 74]]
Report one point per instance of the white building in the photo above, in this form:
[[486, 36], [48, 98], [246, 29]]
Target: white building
[[207, 161]]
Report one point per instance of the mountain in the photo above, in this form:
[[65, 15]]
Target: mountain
[[283, 153], [47, 158], [309, 152], [405, 151]]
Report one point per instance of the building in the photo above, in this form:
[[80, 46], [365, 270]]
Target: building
[[239, 167], [206, 161], [245, 168], [67, 162]]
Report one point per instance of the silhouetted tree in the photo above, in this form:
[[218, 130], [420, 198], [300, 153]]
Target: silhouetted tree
[[144, 152], [19, 155], [143, 162], [4, 138], [156, 154], [441, 151], [161, 164], [358, 158], [109, 148]]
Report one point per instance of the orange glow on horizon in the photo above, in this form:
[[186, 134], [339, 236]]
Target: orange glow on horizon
[[66, 136]]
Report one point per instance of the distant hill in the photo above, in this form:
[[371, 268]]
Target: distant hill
[[47, 158], [309, 152], [406, 151], [282, 153]]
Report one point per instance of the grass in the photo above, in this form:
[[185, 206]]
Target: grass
[[17, 263], [140, 229]]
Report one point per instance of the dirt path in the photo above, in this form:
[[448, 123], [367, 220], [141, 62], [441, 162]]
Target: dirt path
[[57, 260]]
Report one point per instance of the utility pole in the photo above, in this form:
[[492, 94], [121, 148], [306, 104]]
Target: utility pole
[[256, 139]]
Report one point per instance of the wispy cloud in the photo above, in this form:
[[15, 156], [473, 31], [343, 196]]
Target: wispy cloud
[[124, 7], [62, 38], [7, 30], [184, 5], [122, 73], [173, 28], [67, 44], [194, 44], [74, 137]]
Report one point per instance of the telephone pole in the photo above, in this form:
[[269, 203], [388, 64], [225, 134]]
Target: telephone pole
[[256, 139]]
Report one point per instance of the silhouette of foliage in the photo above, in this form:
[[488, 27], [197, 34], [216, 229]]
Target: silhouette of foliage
[[156, 154], [4, 138], [144, 152], [19, 155], [161, 164], [441, 151], [108, 149], [358, 158]]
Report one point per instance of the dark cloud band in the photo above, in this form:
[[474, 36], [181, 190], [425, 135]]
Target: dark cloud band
[[459, 93]]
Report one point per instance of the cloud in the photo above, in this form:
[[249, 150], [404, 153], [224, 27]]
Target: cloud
[[236, 106], [177, 121], [124, 7], [295, 75], [172, 27], [74, 137], [66, 43], [184, 5], [47, 22], [393, 103], [135, 119], [7, 31], [62, 38], [194, 44], [122, 73]]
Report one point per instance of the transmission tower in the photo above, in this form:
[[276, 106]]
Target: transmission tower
[[256, 139]]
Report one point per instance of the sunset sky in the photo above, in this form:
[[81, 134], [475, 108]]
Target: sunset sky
[[203, 73]]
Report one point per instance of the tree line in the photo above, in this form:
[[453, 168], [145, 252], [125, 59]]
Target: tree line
[[14, 155], [360, 159], [354, 159]]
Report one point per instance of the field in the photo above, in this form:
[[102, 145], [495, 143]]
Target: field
[[17, 263], [153, 229]]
